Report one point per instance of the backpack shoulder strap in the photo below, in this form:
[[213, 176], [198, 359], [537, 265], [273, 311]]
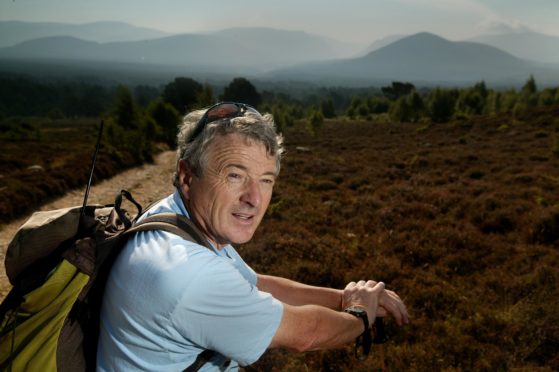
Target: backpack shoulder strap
[[173, 223]]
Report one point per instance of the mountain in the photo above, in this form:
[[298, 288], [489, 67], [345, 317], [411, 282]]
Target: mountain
[[186, 49], [525, 44], [425, 58], [256, 49], [285, 47], [269, 54], [381, 43], [15, 32]]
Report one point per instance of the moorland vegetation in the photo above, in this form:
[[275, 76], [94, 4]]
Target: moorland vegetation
[[461, 219], [449, 196]]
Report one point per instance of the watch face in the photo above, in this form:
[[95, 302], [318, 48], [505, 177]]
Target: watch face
[[356, 310]]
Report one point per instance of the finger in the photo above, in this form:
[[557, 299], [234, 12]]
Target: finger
[[400, 304], [379, 287], [395, 307], [361, 283], [393, 295], [393, 312], [350, 285], [370, 283]]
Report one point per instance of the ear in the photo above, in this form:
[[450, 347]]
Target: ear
[[185, 178]]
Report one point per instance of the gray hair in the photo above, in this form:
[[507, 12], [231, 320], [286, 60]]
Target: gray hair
[[260, 128]]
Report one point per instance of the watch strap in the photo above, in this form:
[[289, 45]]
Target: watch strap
[[364, 340]]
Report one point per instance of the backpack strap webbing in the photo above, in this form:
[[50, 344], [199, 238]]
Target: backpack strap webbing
[[173, 223]]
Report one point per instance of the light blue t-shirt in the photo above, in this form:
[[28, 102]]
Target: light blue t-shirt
[[168, 299]]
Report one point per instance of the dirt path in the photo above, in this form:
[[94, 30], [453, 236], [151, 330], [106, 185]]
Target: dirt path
[[146, 183]]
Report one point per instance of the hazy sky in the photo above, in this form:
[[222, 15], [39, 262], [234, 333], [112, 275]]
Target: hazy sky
[[360, 21]]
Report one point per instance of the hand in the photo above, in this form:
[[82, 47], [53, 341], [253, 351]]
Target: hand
[[389, 303], [365, 295]]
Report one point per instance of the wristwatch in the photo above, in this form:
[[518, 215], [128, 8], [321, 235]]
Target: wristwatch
[[360, 313], [365, 339]]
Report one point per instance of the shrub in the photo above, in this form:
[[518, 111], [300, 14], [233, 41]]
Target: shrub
[[327, 108], [315, 122], [441, 105], [167, 119], [401, 110]]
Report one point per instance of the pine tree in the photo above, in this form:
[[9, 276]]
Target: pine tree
[[242, 90]]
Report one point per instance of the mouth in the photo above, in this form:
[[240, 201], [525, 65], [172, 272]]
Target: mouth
[[244, 217]]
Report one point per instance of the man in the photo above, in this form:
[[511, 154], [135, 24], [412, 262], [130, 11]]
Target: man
[[167, 299]]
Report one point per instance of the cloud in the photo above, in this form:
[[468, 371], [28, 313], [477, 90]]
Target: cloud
[[490, 21], [501, 26]]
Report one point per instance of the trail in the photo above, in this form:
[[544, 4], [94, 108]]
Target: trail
[[147, 183]]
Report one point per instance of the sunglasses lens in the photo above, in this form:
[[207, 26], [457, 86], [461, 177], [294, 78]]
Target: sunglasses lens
[[218, 112], [222, 111]]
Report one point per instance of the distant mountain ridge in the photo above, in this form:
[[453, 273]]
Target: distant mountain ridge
[[15, 32], [272, 54], [191, 49], [380, 43], [425, 57], [525, 44], [257, 49], [285, 46]]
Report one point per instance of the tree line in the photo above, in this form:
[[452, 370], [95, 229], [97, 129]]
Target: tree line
[[402, 102], [137, 117]]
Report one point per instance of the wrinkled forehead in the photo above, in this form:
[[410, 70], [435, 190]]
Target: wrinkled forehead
[[231, 146]]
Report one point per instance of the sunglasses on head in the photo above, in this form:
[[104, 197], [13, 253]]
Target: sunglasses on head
[[221, 110]]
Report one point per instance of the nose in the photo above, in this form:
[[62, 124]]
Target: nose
[[252, 194]]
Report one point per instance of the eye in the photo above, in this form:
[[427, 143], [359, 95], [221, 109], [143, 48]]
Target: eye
[[236, 177], [268, 181]]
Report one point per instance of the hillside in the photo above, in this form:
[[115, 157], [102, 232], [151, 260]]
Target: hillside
[[425, 58], [525, 44], [461, 219]]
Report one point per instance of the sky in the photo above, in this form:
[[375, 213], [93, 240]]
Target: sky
[[358, 21]]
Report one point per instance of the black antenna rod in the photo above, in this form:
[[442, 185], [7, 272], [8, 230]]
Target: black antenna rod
[[93, 161]]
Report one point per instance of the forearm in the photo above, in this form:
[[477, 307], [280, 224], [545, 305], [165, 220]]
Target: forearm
[[298, 294], [311, 327]]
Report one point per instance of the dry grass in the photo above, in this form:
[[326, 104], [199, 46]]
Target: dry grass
[[461, 219]]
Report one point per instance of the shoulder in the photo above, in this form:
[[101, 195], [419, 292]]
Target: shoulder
[[170, 204]]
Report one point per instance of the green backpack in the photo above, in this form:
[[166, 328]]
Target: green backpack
[[58, 263]]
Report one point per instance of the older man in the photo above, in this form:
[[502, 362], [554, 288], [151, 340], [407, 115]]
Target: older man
[[168, 301]]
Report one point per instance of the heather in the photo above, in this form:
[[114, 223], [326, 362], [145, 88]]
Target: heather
[[460, 218]]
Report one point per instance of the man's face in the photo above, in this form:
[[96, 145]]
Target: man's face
[[230, 198]]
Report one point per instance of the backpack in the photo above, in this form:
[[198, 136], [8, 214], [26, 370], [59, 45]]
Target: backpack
[[58, 263]]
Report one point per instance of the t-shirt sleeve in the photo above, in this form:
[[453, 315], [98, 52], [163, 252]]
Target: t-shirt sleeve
[[222, 311]]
